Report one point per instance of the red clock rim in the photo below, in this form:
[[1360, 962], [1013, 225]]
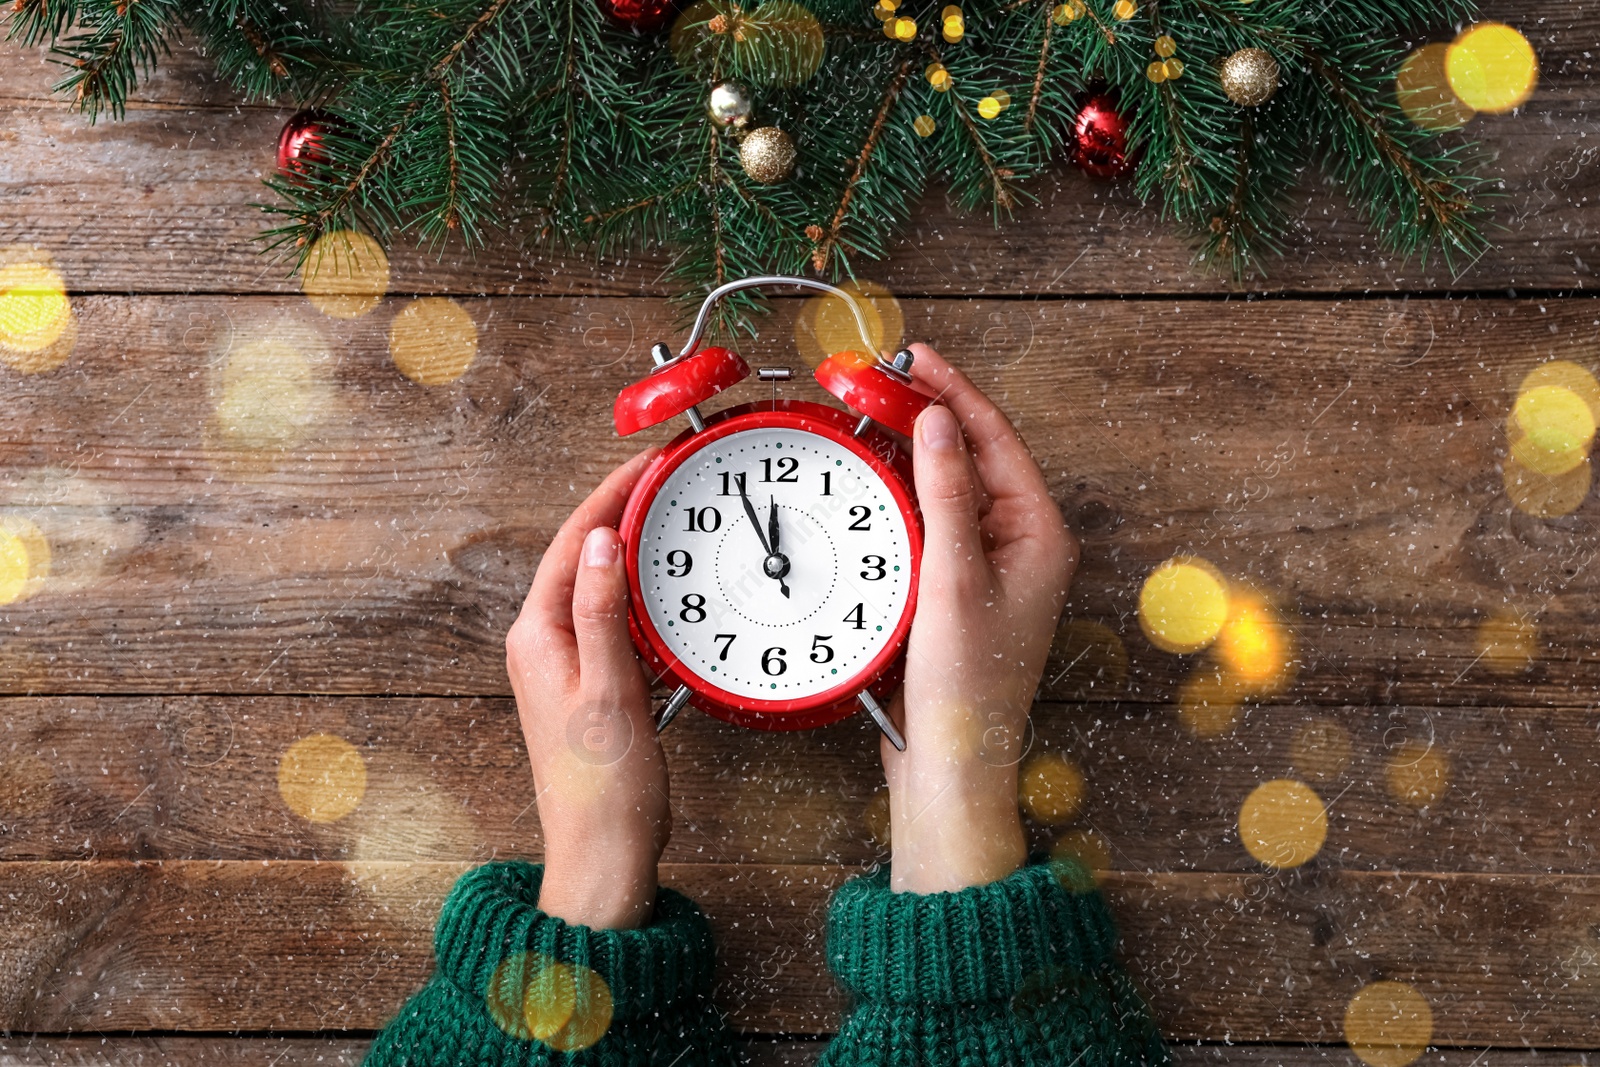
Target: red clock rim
[[797, 712]]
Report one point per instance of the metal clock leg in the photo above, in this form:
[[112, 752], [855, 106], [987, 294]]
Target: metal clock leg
[[881, 717], [670, 709]]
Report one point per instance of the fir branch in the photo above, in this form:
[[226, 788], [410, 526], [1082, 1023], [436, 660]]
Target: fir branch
[[996, 175], [1038, 74], [1233, 232], [33, 21], [450, 210], [819, 257], [1437, 210], [717, 251], [566, 85], [490, 13], [316, 221], [258, 41], [1180, 166]]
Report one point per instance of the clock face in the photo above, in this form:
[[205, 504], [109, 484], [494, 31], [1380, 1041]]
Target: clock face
[[787, 621]]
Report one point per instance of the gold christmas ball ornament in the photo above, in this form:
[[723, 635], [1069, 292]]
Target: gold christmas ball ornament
[[730, 105], [1250, 77], [767, 155]]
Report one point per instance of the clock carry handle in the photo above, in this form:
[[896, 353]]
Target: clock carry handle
[[703, 318]]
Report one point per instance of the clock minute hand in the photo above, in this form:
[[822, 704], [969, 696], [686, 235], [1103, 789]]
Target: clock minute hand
[[750, 513]]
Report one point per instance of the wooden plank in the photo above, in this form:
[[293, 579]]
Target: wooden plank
[[179, 1050], [197, 778], [183, 173], [294, 946], [40, 1050], [377, 536]]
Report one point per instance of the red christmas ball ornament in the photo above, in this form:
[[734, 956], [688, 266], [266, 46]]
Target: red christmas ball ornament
[[1100, 139], [300, 144], [641, 16]]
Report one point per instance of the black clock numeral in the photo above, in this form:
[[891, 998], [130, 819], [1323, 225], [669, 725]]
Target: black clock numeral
[[788, 469], [772, 661], [873, 563], [820, 651], [728, 638], [827, 483], [703, 520], [694, 608], [679, 563], [726, 489], [861, 522], [855, 617]]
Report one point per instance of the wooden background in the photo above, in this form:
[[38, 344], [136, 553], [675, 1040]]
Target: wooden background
[[1333, 435]]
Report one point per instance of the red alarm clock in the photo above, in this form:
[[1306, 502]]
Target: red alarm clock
[[773, 548]]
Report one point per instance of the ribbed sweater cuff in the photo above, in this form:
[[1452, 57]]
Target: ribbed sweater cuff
[[979, 944], [493, 913]]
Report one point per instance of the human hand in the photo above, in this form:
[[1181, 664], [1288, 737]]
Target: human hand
[[584, 703], [996, 563]]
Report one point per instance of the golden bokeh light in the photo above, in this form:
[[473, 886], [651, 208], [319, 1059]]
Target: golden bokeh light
[[268, 396], [1086, 658], [1507, 642], [37, 326], [1283, 823], [1418, 774], [1210, 702], [531, 996], [592, 1009], [1320, 750], [1183, 605], [24, 558], [1423, 91], [1254, 646], [549, 1000], [1543, 496], [1388, 1024], [345, 275], [1564, 374], [1492, 68], [322, 778], [1051, 789], [1085, 848], [1551, 429], [433, 340], [15, 567], [825, 326]]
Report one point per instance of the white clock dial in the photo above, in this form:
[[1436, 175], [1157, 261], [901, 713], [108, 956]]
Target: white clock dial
[[714, 588]]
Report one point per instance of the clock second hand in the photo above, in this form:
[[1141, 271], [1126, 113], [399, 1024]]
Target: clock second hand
[[774, 565]]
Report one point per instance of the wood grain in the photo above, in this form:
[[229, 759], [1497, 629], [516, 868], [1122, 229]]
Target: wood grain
[[187, 164], [181, 1051], [296, 946], [197, 778], [1343, 456]]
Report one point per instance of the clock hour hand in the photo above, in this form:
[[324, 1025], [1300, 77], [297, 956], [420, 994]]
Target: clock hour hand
[[774, 565], [777, 564]]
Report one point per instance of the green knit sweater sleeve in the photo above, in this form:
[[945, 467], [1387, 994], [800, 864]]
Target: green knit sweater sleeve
[[1021, 972], [513, 985]]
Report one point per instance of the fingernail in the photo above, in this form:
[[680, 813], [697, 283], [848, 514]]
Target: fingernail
[[601, 548], [939, 429]]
